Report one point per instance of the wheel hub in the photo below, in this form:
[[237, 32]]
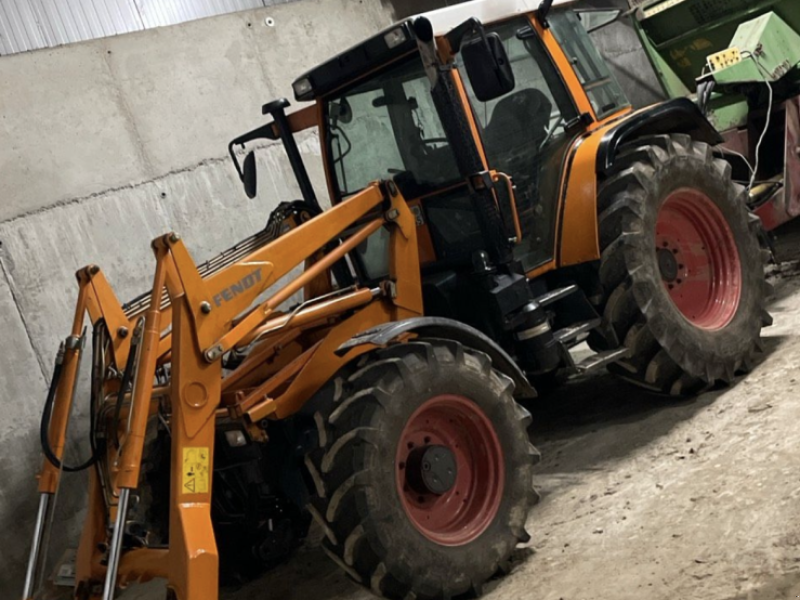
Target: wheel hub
[[698, 259], [450, 471], [432, 469], [667, 265]]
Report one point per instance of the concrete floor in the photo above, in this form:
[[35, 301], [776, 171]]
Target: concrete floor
[[644, 497]]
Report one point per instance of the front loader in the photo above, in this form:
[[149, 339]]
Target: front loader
[[495, 202]]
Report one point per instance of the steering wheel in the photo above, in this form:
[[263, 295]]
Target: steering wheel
[[431, 141]]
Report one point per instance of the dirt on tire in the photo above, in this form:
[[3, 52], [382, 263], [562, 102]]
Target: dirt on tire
[[358, 504], [668, 352]]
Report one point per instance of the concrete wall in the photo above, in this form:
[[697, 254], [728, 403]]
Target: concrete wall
[[620, 46], [106, 144], [103, 146]]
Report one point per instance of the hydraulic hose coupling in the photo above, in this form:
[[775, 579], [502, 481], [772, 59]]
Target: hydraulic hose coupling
[[62, 349], [537, 349]]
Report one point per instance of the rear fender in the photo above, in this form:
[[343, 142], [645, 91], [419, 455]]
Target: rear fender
[[438, 327], [679, 115], [592, 157]]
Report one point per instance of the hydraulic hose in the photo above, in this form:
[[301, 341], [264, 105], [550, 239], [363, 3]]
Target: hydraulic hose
[[44, 428], [123, 387]]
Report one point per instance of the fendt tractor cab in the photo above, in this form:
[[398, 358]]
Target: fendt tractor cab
[[508, 137], [494, 201]]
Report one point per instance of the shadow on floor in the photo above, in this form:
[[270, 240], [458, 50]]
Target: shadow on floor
[[597, 419]]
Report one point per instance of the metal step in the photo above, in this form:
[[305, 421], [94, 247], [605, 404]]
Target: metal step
[[574, 331], [556, 295], [600, 360]]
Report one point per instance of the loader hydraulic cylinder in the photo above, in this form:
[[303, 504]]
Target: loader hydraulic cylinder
[[36, 547]]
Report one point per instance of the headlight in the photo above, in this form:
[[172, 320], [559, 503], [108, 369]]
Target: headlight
[[395, 37], [236, 438], [302, 87]]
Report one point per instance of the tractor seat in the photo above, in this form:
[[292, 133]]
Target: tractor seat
[[519, 121]]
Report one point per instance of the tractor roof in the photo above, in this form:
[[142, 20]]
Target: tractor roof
[[444, 19], [378, 50]]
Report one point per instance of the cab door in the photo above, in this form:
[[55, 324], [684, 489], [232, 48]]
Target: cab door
[[525, 135]]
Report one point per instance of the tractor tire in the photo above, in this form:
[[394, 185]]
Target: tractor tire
[[424, 470], [681, 267]]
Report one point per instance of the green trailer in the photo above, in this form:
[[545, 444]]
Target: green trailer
[[740, 61]]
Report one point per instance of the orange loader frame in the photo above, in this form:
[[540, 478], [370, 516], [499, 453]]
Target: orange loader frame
[[291, 357]]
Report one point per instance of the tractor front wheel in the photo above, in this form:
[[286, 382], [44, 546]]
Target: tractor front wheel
[[424, 472], [682, 268]]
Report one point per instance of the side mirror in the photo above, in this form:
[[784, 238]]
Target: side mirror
[[249, 178], [488, 67], [247, 170]]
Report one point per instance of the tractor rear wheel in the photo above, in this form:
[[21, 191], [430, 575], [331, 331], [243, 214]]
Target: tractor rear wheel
[[423, 473], [681, 268]]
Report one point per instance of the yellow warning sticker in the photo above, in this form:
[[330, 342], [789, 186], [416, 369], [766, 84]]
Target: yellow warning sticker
[[195, 470]]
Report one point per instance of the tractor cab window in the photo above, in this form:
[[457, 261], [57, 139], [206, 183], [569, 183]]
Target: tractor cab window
[[601, 86], [524, 136], [387, 127]]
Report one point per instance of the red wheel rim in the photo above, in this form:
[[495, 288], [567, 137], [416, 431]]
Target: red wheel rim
[[698, 259], [459, 515]]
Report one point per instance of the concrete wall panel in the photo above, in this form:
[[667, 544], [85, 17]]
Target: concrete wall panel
[[205, 205], [189, 99], [22, 392], [64, 128], [89, 117]]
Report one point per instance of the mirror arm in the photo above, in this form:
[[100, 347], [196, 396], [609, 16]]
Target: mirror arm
[[279, 128], [544, 9], [456, 35], [235, 160], [263, 132]]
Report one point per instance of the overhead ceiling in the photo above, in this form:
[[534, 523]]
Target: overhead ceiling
[[33, 24]]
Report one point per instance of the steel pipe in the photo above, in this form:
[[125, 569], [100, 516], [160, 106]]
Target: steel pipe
[[116, 545]]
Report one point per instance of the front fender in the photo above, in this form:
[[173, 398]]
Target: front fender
[[439, 327]]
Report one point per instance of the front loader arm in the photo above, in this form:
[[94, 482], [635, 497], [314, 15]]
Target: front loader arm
[[210, 316]]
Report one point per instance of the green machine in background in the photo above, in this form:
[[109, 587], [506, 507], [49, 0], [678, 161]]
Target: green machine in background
[[740, 61]]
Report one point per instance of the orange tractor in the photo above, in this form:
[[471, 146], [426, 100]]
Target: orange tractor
[[495, 202]]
